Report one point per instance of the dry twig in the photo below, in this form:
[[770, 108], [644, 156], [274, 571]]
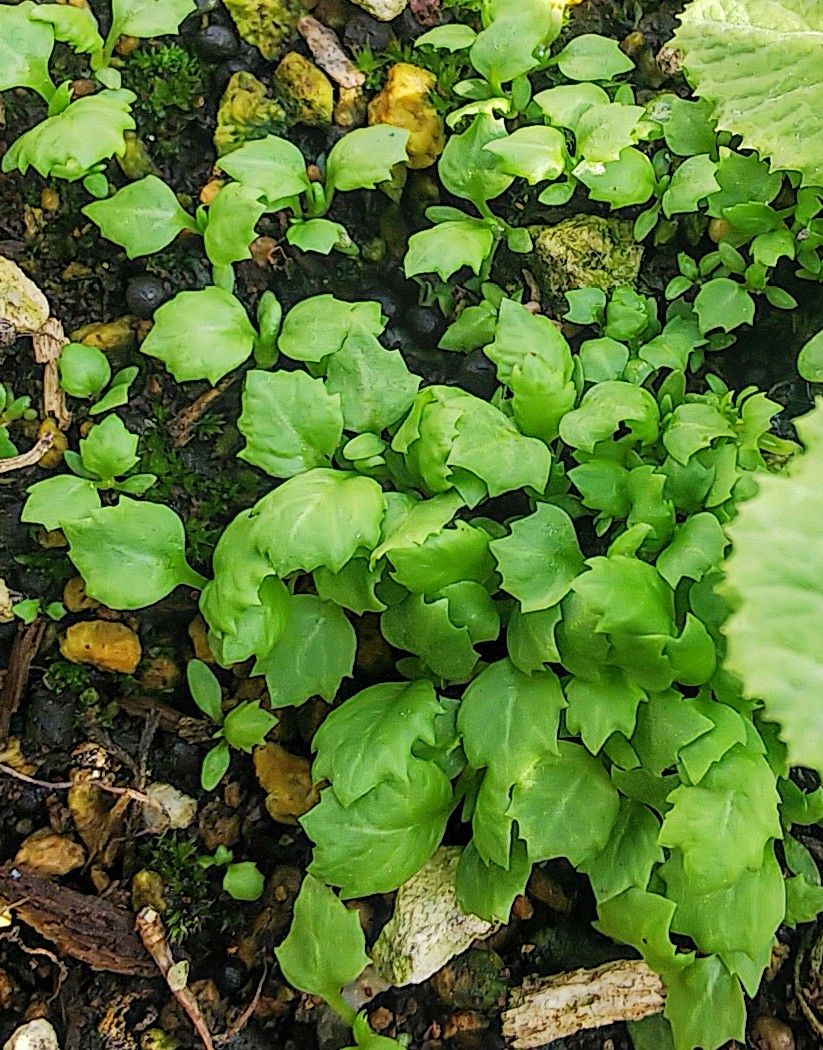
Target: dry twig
[[23, 652], [149, 926], [30, 458], [47, 345]]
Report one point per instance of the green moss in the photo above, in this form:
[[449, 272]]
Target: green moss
[[186, 890], [585, 251], [164, 78]]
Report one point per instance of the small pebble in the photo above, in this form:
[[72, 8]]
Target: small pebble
[[143, 295], [216, 43]]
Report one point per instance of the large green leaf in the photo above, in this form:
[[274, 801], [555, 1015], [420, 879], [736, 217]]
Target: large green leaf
[[738, 800], [25, 49], [148, 17], [378, 842], [369, 738], [325, 948], [72, 143], [58, 499], [291, 423], [776, 566], [130, 555], [312, 656], [374, 385], [201, 335], [758, 63], [540, 558], [509, 720], [143, 217], [565, 806], [322, 517]]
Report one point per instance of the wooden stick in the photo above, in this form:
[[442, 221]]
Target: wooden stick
[[549, 1008], [149, 926]]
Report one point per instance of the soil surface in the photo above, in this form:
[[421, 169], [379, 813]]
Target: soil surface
[[73, 724]]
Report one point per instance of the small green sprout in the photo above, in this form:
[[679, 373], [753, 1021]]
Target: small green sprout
[[244, 727]]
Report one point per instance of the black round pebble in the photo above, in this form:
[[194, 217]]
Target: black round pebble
[[143, 295], [216, 43]]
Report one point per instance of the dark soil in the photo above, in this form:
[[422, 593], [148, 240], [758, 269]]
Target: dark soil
[[135, 721]]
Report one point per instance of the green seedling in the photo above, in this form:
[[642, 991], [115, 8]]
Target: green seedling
[[11, 410], [244, 728]]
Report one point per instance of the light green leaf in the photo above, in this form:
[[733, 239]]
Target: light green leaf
[[232, 217], [244, 881], [313, 655], [628, 180], [364, 157], [565, 105], [810, 359], [509, 720], [601, 705], [215, 766], [722, 1011], [373, 384], [452, 555], [629, 855], [757, 64], [322, 517], [272, 165], [246, 725], [537, 154], [353, 587], [738, 799], [723, 303], [697, 547], [55, 500], [378, 842], [131, 555], [109, 449], [642, 919], [75, 26], [25, 48], [325, 947], [201, 335], [488, 890], [70, 144], [505, 49], [774, 575], [540, 558], [146, 18], [427, 630], [321, 236], [530, 638], [584, 806], [692, 181], [369, 738], [290, 421], [444, 248], [603, 132], [319, 326], [470, 171], [205, 690], [452, 37], [118, 392], [752, 908], [84, 370], [593, 57], [607, 407]]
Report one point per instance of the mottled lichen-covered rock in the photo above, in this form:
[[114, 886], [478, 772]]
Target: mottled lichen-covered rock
[[385, 10], [246, 113], [267, 24], [23, 307], [428, 927], [404, 103], [586, 251], [307, 87]]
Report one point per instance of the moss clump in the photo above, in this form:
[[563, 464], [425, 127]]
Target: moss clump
[[246, 113], [164, 78], [586, 251], [308, 87], [267, 24]]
